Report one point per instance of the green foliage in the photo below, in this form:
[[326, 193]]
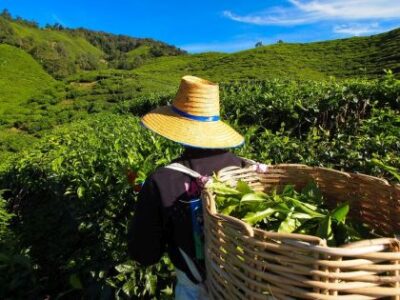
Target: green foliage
[[17, 280], [32, 102], [20, 78], [5, 217], [62, 51], [75, 186], [125, 52], [353, 57], [287, 211], [73, 182], [291, 113]]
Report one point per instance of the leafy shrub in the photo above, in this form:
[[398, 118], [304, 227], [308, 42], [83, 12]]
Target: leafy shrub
[[73, 184], [17, 280], [72, 203]]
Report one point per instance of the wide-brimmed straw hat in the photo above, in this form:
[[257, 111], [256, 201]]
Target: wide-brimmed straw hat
[[193, 118]]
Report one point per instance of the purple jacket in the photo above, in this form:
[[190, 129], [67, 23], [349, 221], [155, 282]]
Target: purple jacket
[[164, 219]]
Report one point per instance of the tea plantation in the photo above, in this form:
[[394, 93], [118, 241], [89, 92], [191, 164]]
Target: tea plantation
[[70, 134], [67, 201]]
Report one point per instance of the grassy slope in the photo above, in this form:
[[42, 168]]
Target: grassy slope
[[21, 78], [139, 51], [353, 57], [74, 45], [359, 56], [63, 52]]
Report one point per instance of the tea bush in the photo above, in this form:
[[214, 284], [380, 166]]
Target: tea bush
[[72, 201]]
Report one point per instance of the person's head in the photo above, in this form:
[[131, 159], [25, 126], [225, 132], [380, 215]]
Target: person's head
[[193, 118]]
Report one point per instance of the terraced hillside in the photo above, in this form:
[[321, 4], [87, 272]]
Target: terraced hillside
[[365, 57], [62, 51], [352, 57], [21, 78], [98, 71]]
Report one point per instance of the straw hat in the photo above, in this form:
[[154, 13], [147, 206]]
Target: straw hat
[[193, 117]]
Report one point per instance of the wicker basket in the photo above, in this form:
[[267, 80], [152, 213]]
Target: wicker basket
[[247, 263]]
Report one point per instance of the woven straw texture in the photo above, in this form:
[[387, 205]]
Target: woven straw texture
[[189, 132], [247, 263], [196, 97]]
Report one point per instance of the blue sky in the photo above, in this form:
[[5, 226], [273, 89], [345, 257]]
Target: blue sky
[[218, 25]]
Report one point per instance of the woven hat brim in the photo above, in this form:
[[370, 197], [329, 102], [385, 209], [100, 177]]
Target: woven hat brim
[[211, 135]]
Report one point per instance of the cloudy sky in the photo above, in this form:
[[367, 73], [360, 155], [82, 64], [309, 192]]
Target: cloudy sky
[[218, 25]]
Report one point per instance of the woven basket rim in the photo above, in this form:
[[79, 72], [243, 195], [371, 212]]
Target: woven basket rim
[[358, 248]]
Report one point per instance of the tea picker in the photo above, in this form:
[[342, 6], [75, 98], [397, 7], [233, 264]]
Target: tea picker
[[168, 215]]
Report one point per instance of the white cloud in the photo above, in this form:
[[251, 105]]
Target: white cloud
[[264, 19], [310, 11], [350, 9], [357, 29]]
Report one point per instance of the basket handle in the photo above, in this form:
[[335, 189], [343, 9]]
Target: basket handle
[[243, 226], [210, 207]]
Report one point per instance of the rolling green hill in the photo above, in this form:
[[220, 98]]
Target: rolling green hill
[[98, 71], [352, 57], [21, 78], [63, 51], [365, 57], [68, 144], [58, 52]]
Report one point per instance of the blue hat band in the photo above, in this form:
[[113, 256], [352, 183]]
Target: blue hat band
[[195, 118]]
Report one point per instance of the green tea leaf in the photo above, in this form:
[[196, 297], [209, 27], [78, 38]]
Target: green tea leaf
[[75, 282], [254, 217], [229, 209], [222, 189], [80, 191], [392, 170], [299, 215], [312, 192], [288, 225], [253, 197], [324, 230], [243, 187], [226, 200], [282, 207], [340, 212], [129, 288], [305, 207], [288, 190]]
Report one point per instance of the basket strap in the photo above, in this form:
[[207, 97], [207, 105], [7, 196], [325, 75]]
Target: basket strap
[[183, 169], [192, 267], [248, 161], [189, 262]]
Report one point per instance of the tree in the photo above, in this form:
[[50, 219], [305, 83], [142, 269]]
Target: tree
[[279, 42], [6, 14], [156, 51], [259, 44], [6, 33], [87, 61]]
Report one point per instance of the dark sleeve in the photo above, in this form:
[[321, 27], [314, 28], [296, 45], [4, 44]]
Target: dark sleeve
[[146, 237]]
